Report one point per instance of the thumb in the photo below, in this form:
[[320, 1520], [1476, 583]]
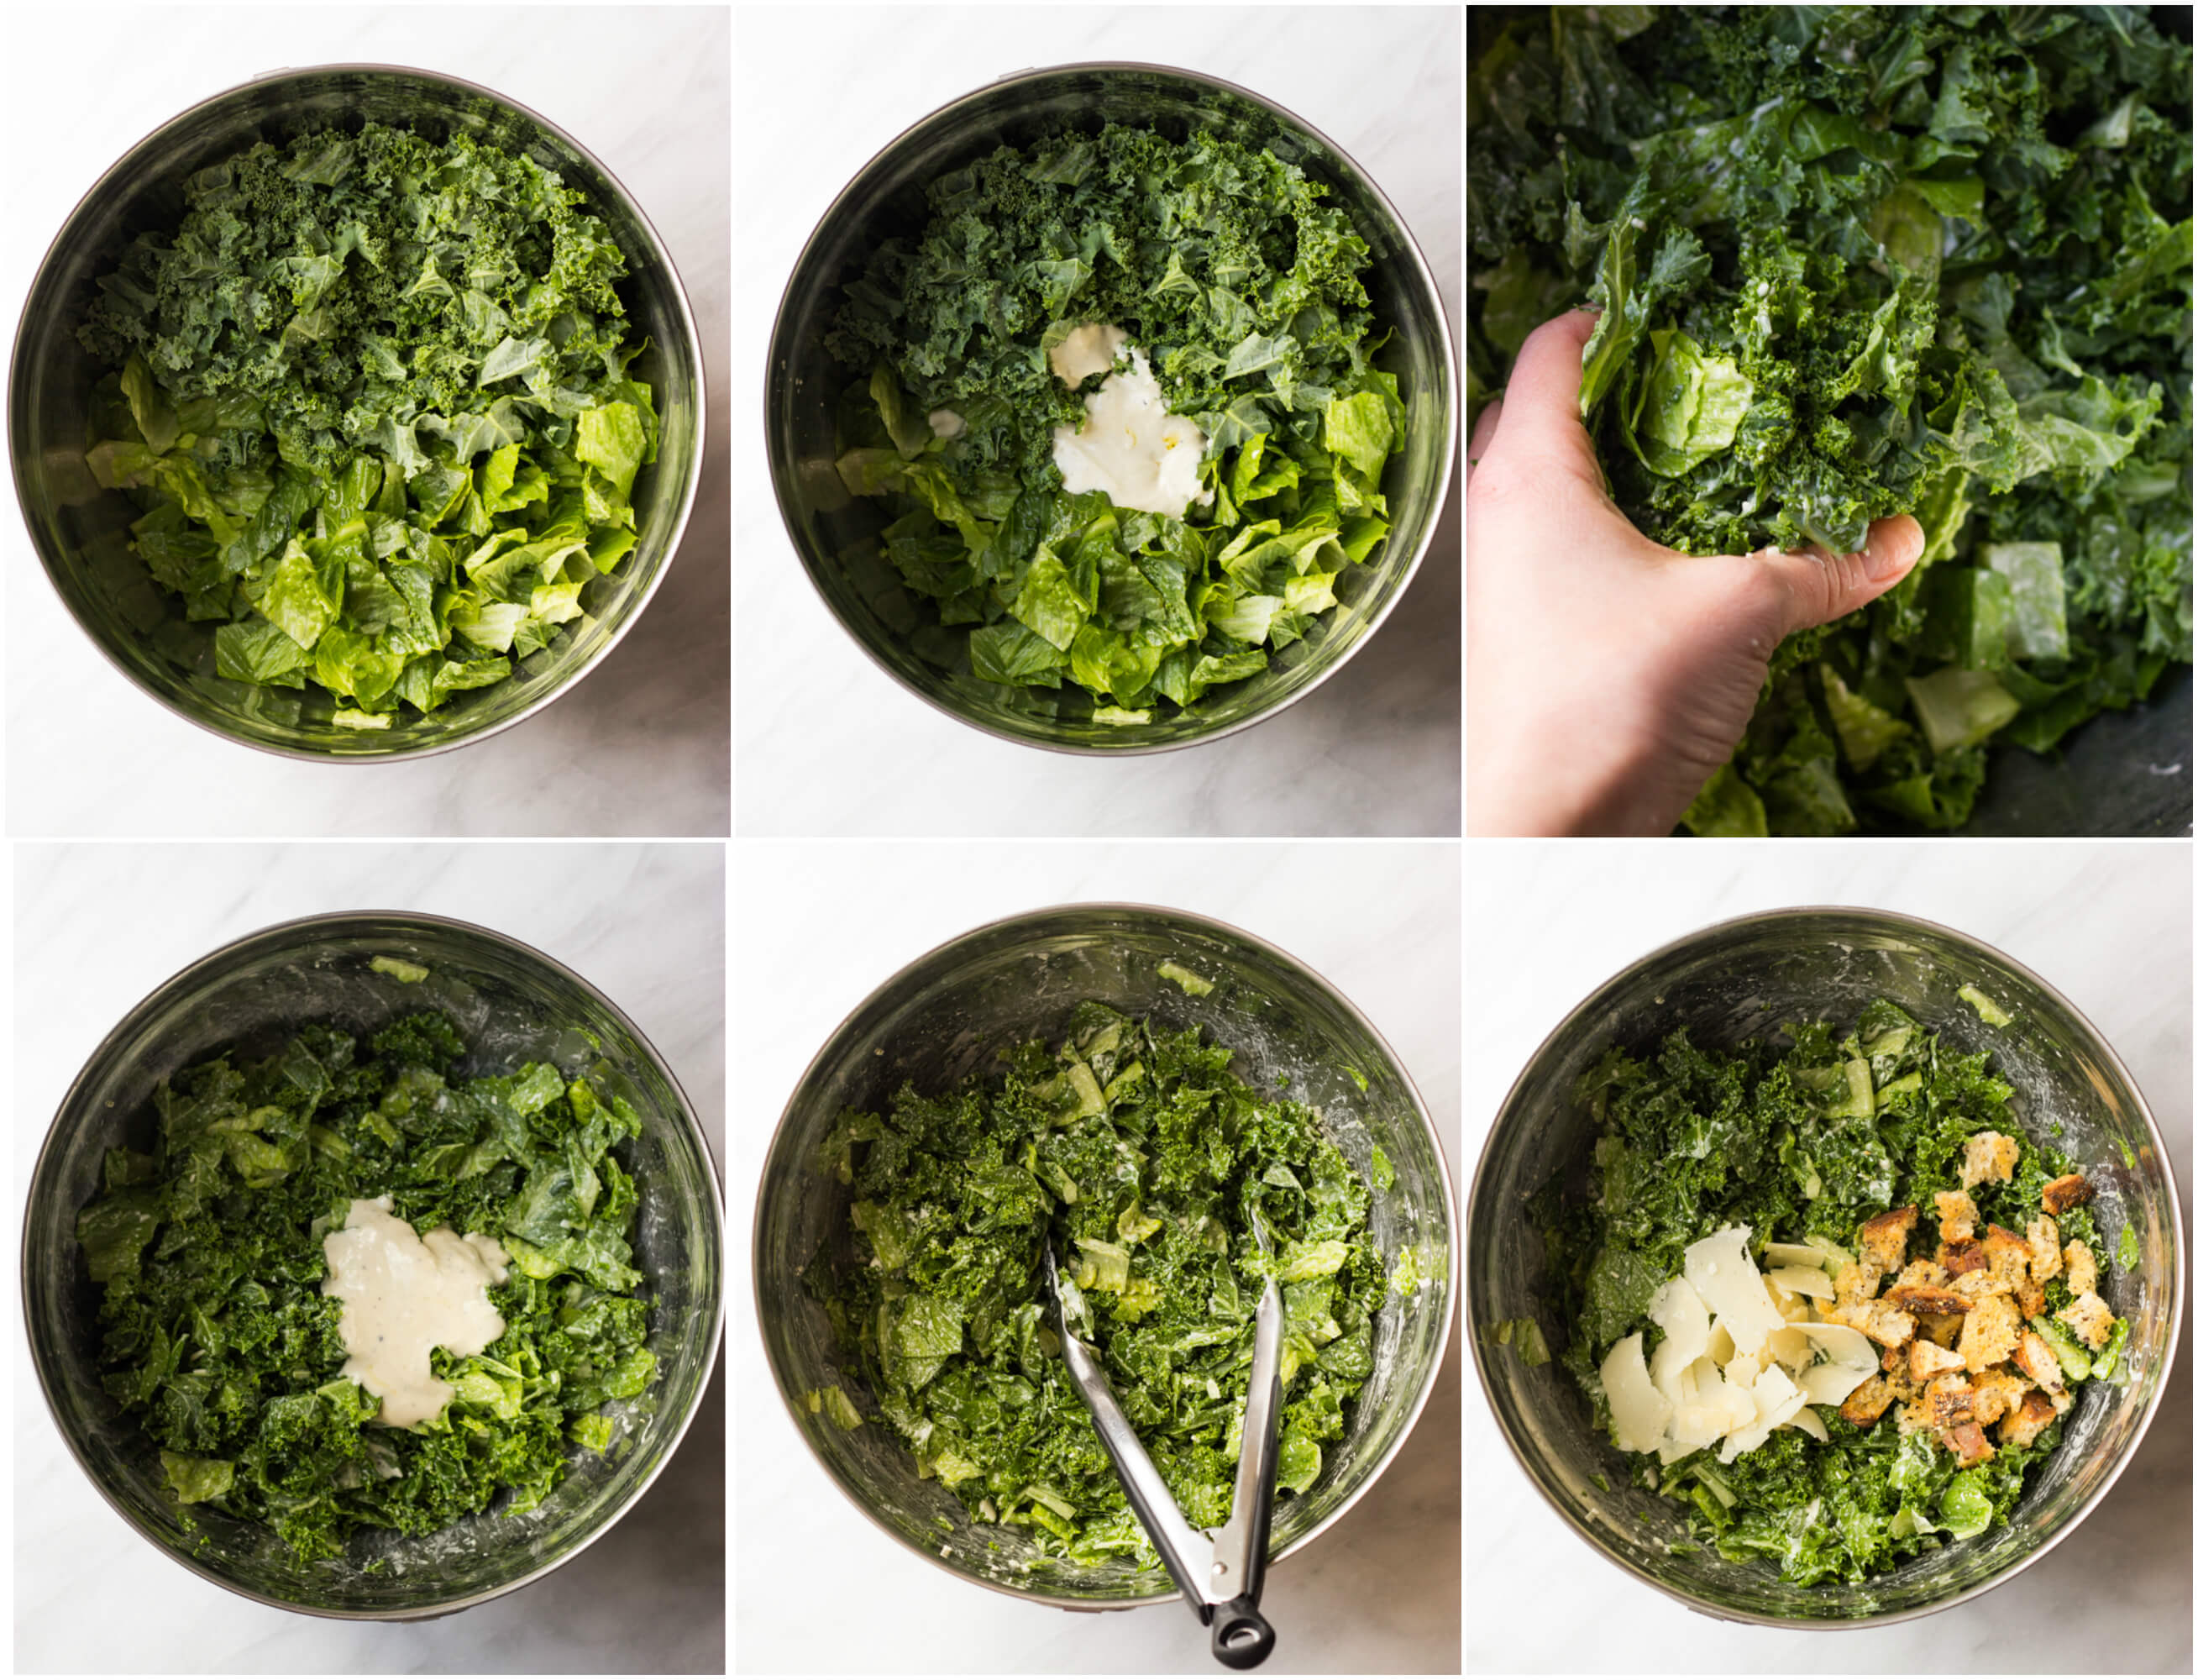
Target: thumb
[[1815, 588]]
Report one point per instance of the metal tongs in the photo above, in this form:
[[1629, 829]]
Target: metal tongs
[[1219, 1570]]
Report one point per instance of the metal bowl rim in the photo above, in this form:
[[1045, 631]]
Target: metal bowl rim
[[1893, 920], [324, 925], [781, 355], [657, 253], [1034, 919]]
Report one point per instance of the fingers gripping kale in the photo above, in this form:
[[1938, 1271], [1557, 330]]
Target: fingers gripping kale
[[1139, 1155], [218, 1339], [1855, 262], [372, 394], [1243, 290]]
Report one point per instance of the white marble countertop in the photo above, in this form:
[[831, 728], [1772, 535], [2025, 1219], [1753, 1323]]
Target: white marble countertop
[[99, 926], [820, 926], [1376, 750], [640, 747], [2110, 925]]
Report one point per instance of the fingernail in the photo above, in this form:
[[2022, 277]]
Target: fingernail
[[1880, 557]]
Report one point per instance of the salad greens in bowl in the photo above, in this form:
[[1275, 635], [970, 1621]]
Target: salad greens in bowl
[[1825, 1267], [1134, 1087], [1111, 407], [373, 1266], [356, 413], [1854, 262]]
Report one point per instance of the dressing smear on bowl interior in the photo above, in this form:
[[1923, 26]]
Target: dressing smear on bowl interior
[[1825, 1292]]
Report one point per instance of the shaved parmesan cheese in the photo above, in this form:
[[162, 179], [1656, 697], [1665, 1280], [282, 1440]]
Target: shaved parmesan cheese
[[1678, 1312], [1776, 1401], [1638, 1412], [1853, 1361], [1719, 1407], [1808, 1281], [1791, 1348], [1720, 1348], [1792, 1254], [1726, 1279], [1808, 1423]]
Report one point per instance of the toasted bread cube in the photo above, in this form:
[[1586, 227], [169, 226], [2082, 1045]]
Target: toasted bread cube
[[2007, 1256], [1942, 1328], [1920, 1299], [1880, 1321], [1994, 1331], [2044, 1248], [1867, 1403], [2082, 1268], [2035, 1360], [2063, 1193], [1989, 1157], [1927, 1359], [1855, 1283], [1885, 1239], [1957, 1215], [2090, 1318], [2027, 1421], [1998, 1392]]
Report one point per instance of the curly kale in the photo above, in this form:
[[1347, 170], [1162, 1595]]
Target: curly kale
[[216, 1337], [371, 394], [1859, 261], [1140, 1156], [1243, 290], [1775, 1135]]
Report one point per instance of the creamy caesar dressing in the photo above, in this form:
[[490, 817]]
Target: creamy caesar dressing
[[1091, 348], [946, 424], [1130, 448], [405, 1295]]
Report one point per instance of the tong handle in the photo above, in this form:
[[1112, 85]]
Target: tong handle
[[1242, 1638]]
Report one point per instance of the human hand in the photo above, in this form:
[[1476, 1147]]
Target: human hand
[[1608, 677]]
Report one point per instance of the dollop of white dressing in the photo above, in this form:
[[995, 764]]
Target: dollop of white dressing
[[1130, 448], [947, 424], [1091, 348], [405, 1295]]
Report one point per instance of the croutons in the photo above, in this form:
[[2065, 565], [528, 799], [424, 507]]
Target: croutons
[[1991, 1333], [1885, 1239], [1918, 1298], [2022, 1426], [1998, 1392], [1855, 1283], [1928, 1359], [2082, 1268], [2031, 1297], [1920, 1274], [1942, 1328], [1974, 1286], [2063, 1193], [2044, 1248], [1957, 1257], [1880, 1321], [1867, 1403], [1957, 1215], [1950, 1399], [1990, 1157], [2007, 1256], [2090, 1318], [1967, 1442], [2035, 1360]]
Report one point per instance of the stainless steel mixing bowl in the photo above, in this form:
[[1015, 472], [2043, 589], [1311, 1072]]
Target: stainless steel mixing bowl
[[81, 532], [944, 1017], [1747, 978], [835, 534], [512, 1004]]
